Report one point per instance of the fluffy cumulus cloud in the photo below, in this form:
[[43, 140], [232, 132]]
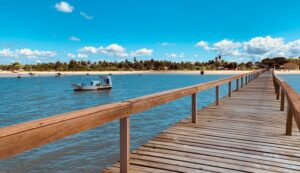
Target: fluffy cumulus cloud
[[64, 7], [115, 50], [257, 47], [28, 53], [86, 16]]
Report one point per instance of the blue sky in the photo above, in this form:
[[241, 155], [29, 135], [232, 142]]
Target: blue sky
[[179, 30]]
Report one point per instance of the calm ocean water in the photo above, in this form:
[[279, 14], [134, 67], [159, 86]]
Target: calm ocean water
[[32, 98], [293, 80]]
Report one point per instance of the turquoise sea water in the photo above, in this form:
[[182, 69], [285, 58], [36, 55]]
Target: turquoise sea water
[[32, 98]]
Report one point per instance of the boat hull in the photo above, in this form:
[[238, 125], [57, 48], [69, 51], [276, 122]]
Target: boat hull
[[90, 88]]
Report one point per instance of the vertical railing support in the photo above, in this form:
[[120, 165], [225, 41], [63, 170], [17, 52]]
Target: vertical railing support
[[194, 108], [217, 95], [242, 82], [229, 89], [125, 145], [277, 91], [289, 121], [249, 78], [246, 80], [282, 101], [237, 84]]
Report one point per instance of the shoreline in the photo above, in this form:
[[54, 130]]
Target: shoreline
[[287, 72], [53, 73]]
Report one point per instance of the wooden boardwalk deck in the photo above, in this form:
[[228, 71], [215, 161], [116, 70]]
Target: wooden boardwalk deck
[[246, 133]]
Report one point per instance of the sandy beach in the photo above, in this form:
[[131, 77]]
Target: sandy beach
[[53, 73], [287, 71]]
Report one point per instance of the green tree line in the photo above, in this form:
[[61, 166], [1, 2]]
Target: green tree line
[[216, 63]]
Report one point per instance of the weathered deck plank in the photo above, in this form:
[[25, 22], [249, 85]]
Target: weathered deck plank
[[245, 133]]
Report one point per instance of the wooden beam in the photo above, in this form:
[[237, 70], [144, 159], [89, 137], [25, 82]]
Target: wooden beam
[[237, 84], [229, 89], [194, 108], [217, 95], [282, 101], [289, 121], [277, 92], [125, 145], [242, 82]]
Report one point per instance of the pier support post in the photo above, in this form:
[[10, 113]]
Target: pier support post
[[217, 95], [237, 84], [289, 121], [194, 108], [246, 80], [282, 101], [125, 145], [229, 89]]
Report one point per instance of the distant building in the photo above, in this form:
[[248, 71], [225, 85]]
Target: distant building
[[291, 66]]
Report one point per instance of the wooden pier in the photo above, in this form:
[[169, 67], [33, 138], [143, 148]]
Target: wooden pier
[[247, 131]]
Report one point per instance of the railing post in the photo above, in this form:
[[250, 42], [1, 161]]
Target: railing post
[[277, 92], [289, 121], [217, 95], [229, 89], [125, 145], [246, 80], [237, 84], [249, 78], [282, 101], [194, 108], [242, 82]]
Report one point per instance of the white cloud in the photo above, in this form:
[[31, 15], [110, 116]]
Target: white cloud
[[115, 50], [73, 38], [168, 44], [7, 53], [142, 52], [255, 48], [27, 53], [64, 7], [262, 45], [86, 16], [71, 55], [203, 44], [34, 53], [171, 55], [79, 55], [88, 49]]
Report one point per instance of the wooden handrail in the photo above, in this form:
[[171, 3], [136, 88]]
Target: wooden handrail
[[25, 136], [293, 102]]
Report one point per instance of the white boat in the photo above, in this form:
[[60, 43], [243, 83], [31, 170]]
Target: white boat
[[104, 83]]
